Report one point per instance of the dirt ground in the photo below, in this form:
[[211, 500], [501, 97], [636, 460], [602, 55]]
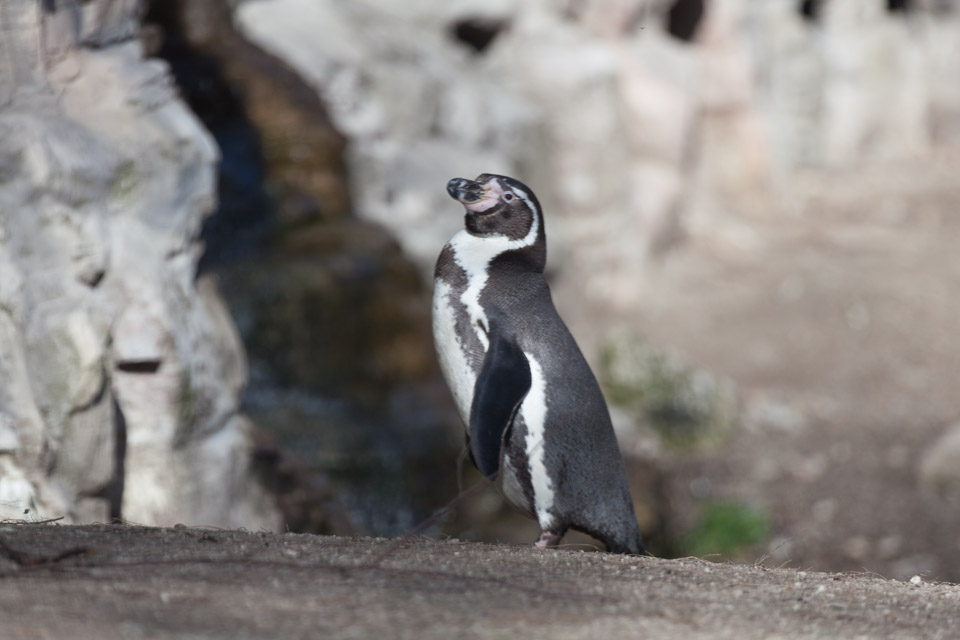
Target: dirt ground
[[117, 581]]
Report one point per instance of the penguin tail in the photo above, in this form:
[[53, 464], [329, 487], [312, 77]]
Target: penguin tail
[[634, 549], [631, 544]]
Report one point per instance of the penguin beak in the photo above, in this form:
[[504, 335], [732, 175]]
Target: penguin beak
[[466, 191]]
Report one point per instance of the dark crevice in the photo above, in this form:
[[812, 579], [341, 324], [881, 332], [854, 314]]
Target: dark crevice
[[899, 6], [683, 19], [334, 317], [810, 10], [95, 278], [477, 32], [115, 489], [112, 492], [244, 213], [139, 366], [318, 295], [281, 159]]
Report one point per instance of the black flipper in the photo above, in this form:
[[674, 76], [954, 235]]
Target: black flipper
[[503, 382]]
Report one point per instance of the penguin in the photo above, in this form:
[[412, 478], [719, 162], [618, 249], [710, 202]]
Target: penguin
[[536, 420]]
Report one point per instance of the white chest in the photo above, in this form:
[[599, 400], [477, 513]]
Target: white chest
[[451, 348]]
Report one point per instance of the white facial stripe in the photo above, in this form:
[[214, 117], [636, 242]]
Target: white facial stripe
[[534, 413], [473, 254], [450, 350], [526, 198]]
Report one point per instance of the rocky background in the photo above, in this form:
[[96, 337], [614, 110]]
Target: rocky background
[[121, 370], [219, 215]]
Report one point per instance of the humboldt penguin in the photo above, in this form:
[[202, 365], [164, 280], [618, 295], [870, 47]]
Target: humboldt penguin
[[537, 423]]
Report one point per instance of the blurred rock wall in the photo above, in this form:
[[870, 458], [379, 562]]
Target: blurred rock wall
[[633, 119], [120, 372]]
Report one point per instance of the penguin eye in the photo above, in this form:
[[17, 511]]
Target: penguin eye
[[508, 197]]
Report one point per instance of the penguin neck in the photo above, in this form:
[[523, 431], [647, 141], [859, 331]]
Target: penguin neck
[[531, 259], [475, 253]]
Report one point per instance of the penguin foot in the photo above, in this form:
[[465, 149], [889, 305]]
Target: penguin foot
[[548, 539]]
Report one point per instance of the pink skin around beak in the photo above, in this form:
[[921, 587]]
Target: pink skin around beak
[[474, 196]]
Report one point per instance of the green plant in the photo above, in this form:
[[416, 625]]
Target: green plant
[[686, 406], [725, 529]]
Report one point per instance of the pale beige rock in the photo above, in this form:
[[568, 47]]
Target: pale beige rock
[[17, 494], [139, 337], [9, 441], [86, 456], [120, 374]]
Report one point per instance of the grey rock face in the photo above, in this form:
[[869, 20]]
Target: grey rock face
[[119, 371]]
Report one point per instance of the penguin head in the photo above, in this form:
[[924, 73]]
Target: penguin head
[[501, 207]]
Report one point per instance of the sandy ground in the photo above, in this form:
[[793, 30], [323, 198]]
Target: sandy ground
[[116, 581]]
